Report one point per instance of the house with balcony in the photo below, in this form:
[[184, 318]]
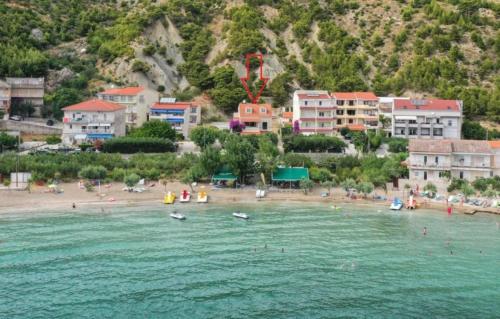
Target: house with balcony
[[427, 118], [385, 106], [137, 101], [4, 98], [314, 111], [257, 118], [356, 109], [438, 160], [183, 116], [93, 120], [495, 158]]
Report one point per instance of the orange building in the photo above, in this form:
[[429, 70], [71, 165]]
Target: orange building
[[257, 118]]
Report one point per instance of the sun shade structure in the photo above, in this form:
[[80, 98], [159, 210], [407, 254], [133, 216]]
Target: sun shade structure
[[290, 174], [224, 175]]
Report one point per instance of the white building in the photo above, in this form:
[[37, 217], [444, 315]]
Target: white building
[[93, 120], [183, 116], [137, 101], [314, 111], [440, 159], [427, 119], [385, 106]]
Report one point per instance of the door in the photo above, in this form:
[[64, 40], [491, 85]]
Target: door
[[425, 176], [264, 126]]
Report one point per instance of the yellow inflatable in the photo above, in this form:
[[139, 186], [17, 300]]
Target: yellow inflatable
[[169, 198]]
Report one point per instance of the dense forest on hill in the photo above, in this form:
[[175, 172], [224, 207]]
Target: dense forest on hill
[[447, 48]]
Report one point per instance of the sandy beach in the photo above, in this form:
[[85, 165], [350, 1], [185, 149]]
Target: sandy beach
[[40, 199]]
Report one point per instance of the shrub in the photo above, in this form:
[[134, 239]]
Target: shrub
[[93, 172], [131, 180], [155, 128], [53, 139], [313, 143], [130, 145], [139, 66], [398, 145], [320, 174]]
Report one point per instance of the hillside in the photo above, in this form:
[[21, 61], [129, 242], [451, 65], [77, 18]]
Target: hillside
[[447, 49]]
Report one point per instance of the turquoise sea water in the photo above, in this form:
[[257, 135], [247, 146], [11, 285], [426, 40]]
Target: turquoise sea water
[[137, 262]]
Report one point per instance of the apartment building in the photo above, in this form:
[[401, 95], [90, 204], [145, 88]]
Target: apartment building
[[356, 109], [427, 118], [137, 101], [183, 116], [495, 159], [438, 160], [314, 111], [27, 90], [4, 98], [385, 106], [256, 117], [93, 120]]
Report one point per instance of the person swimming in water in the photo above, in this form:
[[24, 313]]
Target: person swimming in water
[[425, 231], [74, 205]]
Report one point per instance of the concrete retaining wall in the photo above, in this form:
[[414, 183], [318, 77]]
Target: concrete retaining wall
[[30, 128]]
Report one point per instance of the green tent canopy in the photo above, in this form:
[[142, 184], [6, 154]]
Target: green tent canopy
[[290, 174], [224, 175]]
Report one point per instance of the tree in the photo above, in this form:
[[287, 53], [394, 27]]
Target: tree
[[467, 190], [365, 188], [239, 155], [131, 180], [93, 172], [489, 192], [431, 188], [306, 185], [348, 184], [7, 142], [194, 174], [155, 128], [329, 185], [204, 136], [210, 161], [267, 157], [320, 174]]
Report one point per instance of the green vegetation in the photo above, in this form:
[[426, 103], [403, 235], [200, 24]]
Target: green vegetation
[[131, 180], [154, 128], [313, 143], [204, 136], [7, 142], [92, 172], [53, 139], [130, 145]]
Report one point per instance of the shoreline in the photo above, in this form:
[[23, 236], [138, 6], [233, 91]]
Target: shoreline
[[23, 202]]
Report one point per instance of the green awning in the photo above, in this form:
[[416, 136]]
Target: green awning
[[224, 175], [290, 174]]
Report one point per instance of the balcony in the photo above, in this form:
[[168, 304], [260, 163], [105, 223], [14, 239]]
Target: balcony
[[440, 166]]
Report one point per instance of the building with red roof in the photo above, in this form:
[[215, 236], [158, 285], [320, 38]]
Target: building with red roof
[[93, 120], [183, 116], [427, 118], [136, 99], [495, 150], [356, 109], [257, 118]]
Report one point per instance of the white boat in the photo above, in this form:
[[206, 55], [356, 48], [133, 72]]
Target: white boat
[[396, 204], [178, 216], [241, 215], [185, 197]]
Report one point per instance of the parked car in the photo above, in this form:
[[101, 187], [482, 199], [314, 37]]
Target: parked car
[[15, 118]]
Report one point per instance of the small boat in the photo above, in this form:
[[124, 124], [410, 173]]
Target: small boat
[[240, 215], [169, 198], [396, 204], [185, 197], [202, 197], [177, 216]]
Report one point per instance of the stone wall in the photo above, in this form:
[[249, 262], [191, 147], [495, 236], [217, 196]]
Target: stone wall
[[30, 128]]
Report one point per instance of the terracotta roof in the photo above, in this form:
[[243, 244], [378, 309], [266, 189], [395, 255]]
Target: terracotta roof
[[173, 106], [356, 127], [367, 96], [427, 105], [255, 110], [494, 144], [471, 146], [430, 146], [95, 105], [314, 96], [134, 90]]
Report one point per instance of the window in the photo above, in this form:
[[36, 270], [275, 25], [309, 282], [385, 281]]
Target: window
[[436, 160], [450, 123], [264, 126], [412, 131], [340, 112], [192, 119], [130, 98], [320, 103], [351, 102], [70, 126], [413, 121], [416, 174], [437, 120], [263, 110], [425, 159], [402, 131], [123, 98], [305, 103], [339, 121], [321, 114], [351, 121], [340, 102], [437, 132], [351, 112], [249, 110], [105, 116], [461, 175]]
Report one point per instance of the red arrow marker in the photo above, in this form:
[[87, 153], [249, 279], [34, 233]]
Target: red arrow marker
[[254, 99]]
